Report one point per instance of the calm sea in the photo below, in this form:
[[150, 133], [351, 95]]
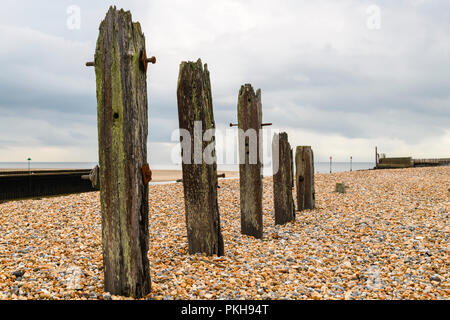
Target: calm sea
[[320, 167]]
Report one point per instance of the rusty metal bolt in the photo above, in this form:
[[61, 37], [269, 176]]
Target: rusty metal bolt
[[146, 173], [152, 60], [145, 61]]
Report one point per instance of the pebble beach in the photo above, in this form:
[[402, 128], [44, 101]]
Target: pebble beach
[[387, 237]]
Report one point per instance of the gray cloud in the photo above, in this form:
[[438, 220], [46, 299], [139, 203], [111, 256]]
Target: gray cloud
[[324, 75]]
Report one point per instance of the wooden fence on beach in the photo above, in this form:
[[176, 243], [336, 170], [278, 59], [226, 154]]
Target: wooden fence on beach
[[431, 162], [409, 162], [21, 184]]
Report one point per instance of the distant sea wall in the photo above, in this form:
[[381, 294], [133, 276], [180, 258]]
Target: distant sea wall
[[403, 162], [409, 162]]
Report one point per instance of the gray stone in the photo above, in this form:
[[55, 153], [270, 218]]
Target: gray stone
[[435, 277], [18, 273]]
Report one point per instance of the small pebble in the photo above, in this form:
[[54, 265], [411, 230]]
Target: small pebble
[[435, 277]]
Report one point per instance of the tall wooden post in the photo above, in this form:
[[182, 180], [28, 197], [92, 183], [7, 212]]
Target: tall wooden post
[[195, 110], [122, 138], [250, 164], [304, 177], [376, 157], [283, 181]]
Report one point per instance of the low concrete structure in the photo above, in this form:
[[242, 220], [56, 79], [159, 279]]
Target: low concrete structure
[[409, 162], [391, 163]]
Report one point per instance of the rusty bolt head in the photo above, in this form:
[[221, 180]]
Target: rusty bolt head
[[145, 61], [146, 173]]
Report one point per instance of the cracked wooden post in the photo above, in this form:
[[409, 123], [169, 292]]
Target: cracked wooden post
[[250, 165], [283, 182], [122, 137], [195, 114], [304, 178]]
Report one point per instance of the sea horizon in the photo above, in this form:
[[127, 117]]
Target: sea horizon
[[319, 167]]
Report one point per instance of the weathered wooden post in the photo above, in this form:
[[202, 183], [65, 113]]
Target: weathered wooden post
[[283, 179], [304, 178], [195, 114], [120, 68], [340, 187], [376, 157], [250, 164]]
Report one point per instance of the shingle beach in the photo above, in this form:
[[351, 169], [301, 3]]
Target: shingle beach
[[386, 238]]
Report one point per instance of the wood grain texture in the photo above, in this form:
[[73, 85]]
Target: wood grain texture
[[122, 138], [283, 182], [199, 178], [250, 165], [304, 178]]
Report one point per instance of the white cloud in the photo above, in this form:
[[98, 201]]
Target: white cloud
[[325, 77], [33, 60]]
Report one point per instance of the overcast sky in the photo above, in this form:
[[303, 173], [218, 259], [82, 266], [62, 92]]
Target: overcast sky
[[332, 74]]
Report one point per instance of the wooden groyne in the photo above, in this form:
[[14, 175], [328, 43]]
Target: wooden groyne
[[431, 162], [409, 162], [16, 185]]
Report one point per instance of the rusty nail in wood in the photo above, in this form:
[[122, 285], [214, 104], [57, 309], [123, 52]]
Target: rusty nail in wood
[[233, 124], [90, 64], [152, 60], [266, 124], [146, 173], [145, 61]]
